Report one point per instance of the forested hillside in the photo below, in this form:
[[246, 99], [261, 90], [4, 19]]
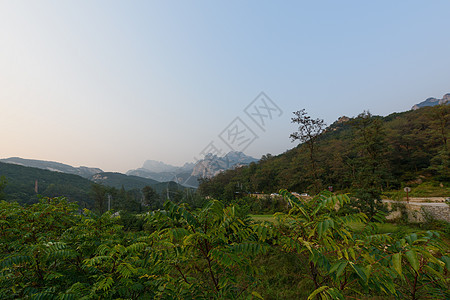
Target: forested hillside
[[365, 152], [119, 180], [85, 172], [19, 184]]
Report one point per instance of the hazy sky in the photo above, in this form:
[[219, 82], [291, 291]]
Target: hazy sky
[[110, 84]]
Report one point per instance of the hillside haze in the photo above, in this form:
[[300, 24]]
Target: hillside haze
[[212, 165], [189, 173], [27, 184], [85, 172], [161, 167]]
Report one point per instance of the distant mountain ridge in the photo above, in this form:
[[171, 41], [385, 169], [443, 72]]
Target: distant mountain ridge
[[24, 184], [151, 173], [432, 102], [82, 171], [130, 182], [189, 173], [212, 165], [161, 167], [112, 179]]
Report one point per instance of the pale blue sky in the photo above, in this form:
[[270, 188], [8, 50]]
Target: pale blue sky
[[110, 84]]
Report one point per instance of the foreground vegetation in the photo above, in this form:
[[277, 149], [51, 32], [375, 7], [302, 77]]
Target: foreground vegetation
[[315, 250]]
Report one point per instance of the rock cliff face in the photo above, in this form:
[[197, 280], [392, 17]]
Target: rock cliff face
[[160, 167], [343, 119], [212, 165], [189, 174], [432, 102], [163, 172]]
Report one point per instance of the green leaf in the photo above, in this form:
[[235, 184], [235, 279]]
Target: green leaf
[[341, 269], [446, 260], [397, 262], [430, 270], [338, 267], [320, 229], [106, 284], [43, 296], [257, 295], [136, 247], [411, 238], [335, 294], [411, 256], [126, 270], [15, 260], [335, 266], [352, 253], [317, 291], [360, 271], [344, 251]]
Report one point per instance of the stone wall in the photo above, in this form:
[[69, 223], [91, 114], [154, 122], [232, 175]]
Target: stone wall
[[437, 212], [420, 213]]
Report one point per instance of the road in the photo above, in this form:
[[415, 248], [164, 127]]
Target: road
[[438, 204]]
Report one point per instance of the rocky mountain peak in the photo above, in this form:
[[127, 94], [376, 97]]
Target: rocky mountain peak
[[187, 175], [432, 102], [212, 165], [343, 119]]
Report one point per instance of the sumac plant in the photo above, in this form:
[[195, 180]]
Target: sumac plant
[[209, 252], [54, 250], [344, 263]]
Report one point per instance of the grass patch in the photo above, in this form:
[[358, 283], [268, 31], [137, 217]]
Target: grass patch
[[386, 228], [425, 189], [284, 276], [262, 218], [358, 227]]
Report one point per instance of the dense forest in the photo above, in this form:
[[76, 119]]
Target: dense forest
[[364, 153]]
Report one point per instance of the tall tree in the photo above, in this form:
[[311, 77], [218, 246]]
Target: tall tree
[[439, 130], [151, 198], [439, 123], [372, 166], [99, 194], [3, 183], [309, 130]]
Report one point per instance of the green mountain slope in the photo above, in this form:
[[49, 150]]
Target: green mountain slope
[[118, 180], [130, 182], [21, 181], [85, 172], [391, 151], [20, 184]]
